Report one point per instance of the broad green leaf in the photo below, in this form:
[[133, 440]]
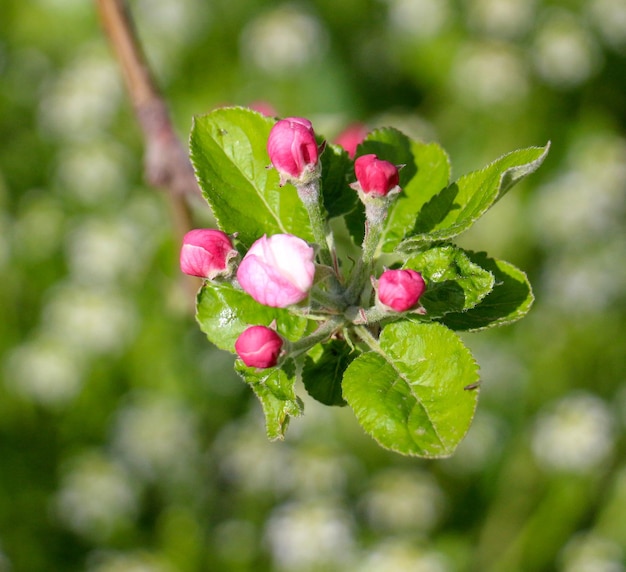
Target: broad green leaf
[[337, 174], [454, 282], [275, 389], [510, 299], [426, 171], [453, 209], [228, 151], [323, 371], [410, 393], [223, 312]]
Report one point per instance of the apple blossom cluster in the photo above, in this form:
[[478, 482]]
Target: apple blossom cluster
[[335, 269], [283, 270]]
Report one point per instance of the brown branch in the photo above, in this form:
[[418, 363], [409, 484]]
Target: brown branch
[[167, 162]]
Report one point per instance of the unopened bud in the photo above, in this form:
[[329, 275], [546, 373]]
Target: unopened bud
[[293, 150], [206, 253], [400, 290], [375, 176], [351, 137], [259, 346], [264, 108]]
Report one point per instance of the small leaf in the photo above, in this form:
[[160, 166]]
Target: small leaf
[[323, 371], [275, 389], [228, 151], [455, 208], [510, 299], [454, 282], [409, 395], [223, 312], [337, 168]]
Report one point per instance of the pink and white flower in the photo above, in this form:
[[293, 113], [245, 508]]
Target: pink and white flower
[[278, 271]]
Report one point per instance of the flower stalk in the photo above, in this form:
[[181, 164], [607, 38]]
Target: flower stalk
[[311, 196]]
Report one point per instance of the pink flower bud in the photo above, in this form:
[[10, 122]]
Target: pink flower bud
[[350, 138], [375, 175], [264, 108], [278, 270], [292, 148], [259, 346], [400, 290], [206, 253]]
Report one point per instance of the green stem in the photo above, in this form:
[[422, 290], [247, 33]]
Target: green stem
[[363, 269], [328, 299], [311, 197], [368, 338], [322, 333]]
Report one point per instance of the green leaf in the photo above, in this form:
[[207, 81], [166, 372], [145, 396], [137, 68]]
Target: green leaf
[[355, 223], [410, 393], [455, 208], [510, 299], [426, 171], [223, 312], [275, 389], [337, 173], [228, 151], [454, 282], [323, 371]]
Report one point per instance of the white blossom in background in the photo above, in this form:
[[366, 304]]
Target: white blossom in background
[[503, 371], [589, 195], [236, 540], [44, 370], [244, 444], [157, 438], [283, 40], [92, 173], [89, 321], [312, 536], [588, 552], [82, 100], [572, 201], [564, 51], [505, 19], [609, 17], [177, 21], [96, 497], [403, 500], [575, 434], [138, 561], [483, 442], [167, 28], [104, 251], [319, 472], [37, 231], [422, 19], [398, 555], [485, 75], [586, 282]]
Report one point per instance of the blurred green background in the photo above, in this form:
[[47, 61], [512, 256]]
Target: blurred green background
[[127, 444]]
